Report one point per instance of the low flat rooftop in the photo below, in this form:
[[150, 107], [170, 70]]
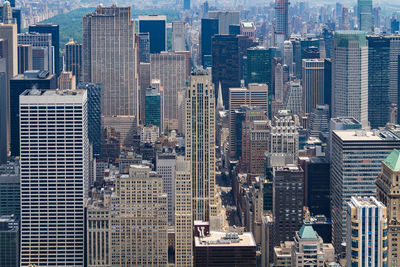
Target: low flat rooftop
[[224, 239], [364, 135]]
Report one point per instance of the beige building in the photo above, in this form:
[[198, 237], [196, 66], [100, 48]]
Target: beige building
[[387, 192], [183, 214], [200, 143], [255, 95], [313, 83], [66, 81], [283, 254], [109, 58], [170, 69], [139, 219]]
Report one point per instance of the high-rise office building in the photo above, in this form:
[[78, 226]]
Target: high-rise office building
[[139, 222], [350, 88], [317, 186], [8, 51], [66, 80], [364, 15], [367, 240], [178, 36], [209, 28], [54, 30], [9, 241], [94, 115], [256, 95], [288, 55], [313, 84], [144, 83], [319, 121], [200, 143], [54, 175], [143, 45], [25, 58], [279, 92], [165, 167], [367, 149], [42, 50], [156, 26], [73, 59], [154, 107], [183, 214], [118, 76], [170, 69], [225, 18], [288, 202], [228, 52], [18, 84], [386, 192], [281, 27], [248, 28], [10, 190], [259, 65]]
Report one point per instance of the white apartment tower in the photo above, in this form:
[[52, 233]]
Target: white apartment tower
[[200, 143], [350, 76], [54, 176]]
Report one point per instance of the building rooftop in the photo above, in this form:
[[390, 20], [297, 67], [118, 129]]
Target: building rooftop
[[347, 121], [364, 135], [370, 202], [307, 232], [222, 239], [393, 160]]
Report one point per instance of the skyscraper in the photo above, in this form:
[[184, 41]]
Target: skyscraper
[[186, 4], [313, 84], [54, 175], [178, 36], [350, 88], [118, 76], [288, 55], [25, 58], [366, 232], [225, 18], [8, 51], [42, 50], [165, 167], [170, 69], [66, 80], [228, 52], [156, 26], [183, 214], [18, 84], [10, 202], [153, 107], [139, 220], [4, 105], [54, 30], [9, 241], [281, 31], [94, 114], [73, 59], [386, 192], [259, 65], [200, 143], [364, 10], [367, 149], [209, 28], [143, 44], [293, 98], [256, 95]]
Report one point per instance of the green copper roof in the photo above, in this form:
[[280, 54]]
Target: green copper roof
[[307, 232], [393, 160], [342, 38]]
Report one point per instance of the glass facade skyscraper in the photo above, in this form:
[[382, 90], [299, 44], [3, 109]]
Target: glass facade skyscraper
[[153, 107], [209, 28], [156, 26], [364, 9], [9, 241]]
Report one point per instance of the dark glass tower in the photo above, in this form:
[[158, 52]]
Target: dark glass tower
[[73, 59], [259, 65], [143, 43], [186, 4], [378, 81], [156, 26], [94, 114], [153, 107], [18, 84], [54, 30], [209, 28], [228, 54], [9, 241]]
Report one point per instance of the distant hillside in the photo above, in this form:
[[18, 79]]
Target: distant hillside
[[71, 23]]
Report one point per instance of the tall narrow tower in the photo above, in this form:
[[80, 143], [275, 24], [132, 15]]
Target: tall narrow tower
[[281, 32], [200, 142], [111, 62]]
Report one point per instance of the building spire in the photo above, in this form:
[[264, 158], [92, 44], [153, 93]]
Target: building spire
[[220, 101]]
